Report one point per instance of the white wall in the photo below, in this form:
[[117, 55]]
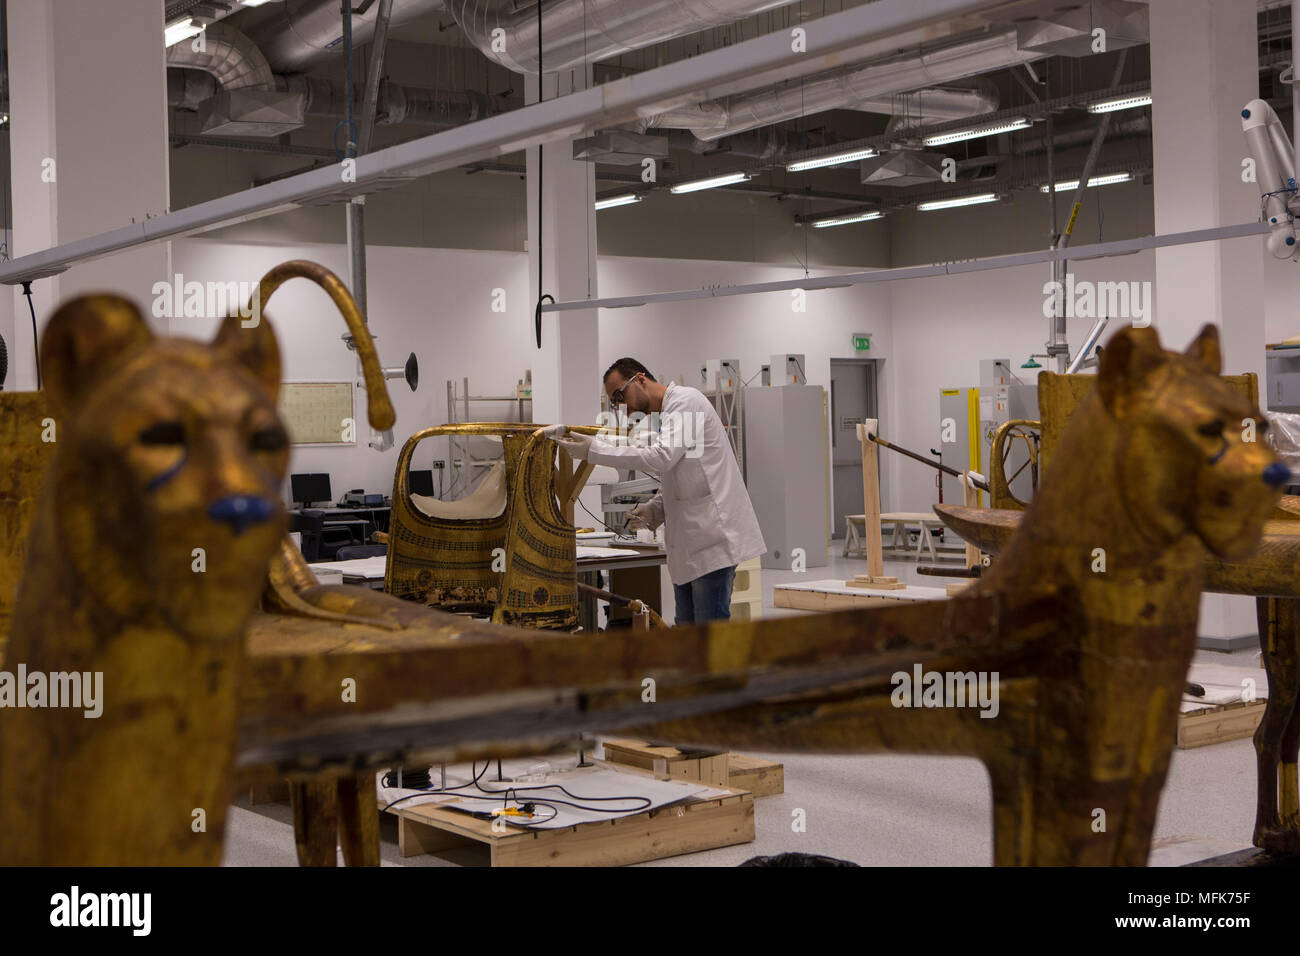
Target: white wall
[[437, 303], [671, 339], [944, 326]]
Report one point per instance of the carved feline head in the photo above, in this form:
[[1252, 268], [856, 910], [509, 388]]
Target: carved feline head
[[1191, 452], [170, 455]]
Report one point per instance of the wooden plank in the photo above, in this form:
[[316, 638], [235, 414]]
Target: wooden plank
[[798, 599], [880, 584], [697, 766], [1217, 724], [415, 838], [671, 831], [758, 775]]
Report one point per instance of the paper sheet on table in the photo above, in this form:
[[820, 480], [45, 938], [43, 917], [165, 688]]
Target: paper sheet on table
[[583, 785], [372, 567], [594, 552]]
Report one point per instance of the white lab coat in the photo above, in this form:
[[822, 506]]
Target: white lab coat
[[708, 520]]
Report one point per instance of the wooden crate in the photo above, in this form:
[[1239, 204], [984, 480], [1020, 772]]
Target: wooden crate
[[761, 777], [700, 766], [687, 827]]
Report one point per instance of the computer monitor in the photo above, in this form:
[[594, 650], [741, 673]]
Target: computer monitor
[[311, 488], [421, 483]]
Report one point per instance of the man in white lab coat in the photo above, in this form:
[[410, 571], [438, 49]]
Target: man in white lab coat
[[709, 523]]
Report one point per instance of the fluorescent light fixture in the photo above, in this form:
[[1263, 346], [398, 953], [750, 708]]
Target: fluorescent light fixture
[[846, 220], [254, 3], [181, 30], [1108, 180], [833, 159], [1010, 126], [1121, 103], [624, 200], [960, 201], [713, 182]]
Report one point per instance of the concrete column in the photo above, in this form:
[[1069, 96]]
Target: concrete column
[[88, 95], [566, 372], [1204, 69]]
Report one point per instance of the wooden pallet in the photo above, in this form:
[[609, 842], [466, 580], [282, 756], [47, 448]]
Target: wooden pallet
[[688, 827]]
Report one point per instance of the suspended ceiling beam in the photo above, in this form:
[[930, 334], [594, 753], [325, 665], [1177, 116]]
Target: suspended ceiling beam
[[871, 30], [1096, 250]]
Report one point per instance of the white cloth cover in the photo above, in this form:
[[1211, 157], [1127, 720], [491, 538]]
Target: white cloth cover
[[488, 500]]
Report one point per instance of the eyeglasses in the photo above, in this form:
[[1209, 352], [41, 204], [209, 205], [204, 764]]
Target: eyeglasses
[[616, 396]]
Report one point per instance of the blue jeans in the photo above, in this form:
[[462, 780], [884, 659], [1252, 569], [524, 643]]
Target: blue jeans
[[707, 598]]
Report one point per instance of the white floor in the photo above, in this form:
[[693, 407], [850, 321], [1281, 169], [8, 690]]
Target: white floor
[[881, 810]]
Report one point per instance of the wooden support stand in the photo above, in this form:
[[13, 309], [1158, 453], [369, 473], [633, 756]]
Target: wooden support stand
[[871, 498]]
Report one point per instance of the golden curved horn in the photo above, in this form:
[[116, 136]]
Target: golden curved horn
[[381, 412]]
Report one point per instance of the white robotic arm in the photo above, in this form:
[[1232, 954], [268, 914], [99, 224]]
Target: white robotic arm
[[1275, 173]]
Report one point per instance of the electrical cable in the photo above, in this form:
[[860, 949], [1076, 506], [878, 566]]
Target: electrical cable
[[503, 796], [428, 791], [598, 520], [36, 351]]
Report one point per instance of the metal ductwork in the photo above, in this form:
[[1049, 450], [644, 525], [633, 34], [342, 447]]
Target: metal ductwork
[[583, 31], [187, 89], [1031, 143], [225, 53], [874, 87], [297, 33], [1070, 30]]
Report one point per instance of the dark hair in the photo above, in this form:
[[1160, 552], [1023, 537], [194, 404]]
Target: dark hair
[[628, 368]]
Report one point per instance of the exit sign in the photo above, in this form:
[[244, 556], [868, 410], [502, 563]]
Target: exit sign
[[862, 342]]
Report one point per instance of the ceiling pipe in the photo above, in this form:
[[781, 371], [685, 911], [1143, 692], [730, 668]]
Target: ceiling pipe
[[442, 109], [877, 85], [297, 33], [574, 32]]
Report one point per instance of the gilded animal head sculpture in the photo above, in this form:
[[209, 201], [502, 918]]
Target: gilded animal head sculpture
[[147, 554], [169, 461], [1217, 476]]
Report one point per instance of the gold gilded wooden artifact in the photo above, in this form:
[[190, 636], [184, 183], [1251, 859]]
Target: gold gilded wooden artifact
[[1270, 573], [519, 564], [159, 513], [1149, 474], [1069, 648]]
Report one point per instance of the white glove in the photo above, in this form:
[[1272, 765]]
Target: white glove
[[575, 444], [643, 516]]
